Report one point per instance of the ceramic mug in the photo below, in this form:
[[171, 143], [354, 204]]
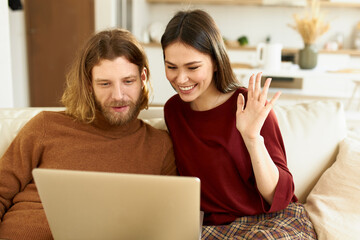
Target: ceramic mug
[[268, 56]]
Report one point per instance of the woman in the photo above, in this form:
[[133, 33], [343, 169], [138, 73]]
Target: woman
[[229, 137]]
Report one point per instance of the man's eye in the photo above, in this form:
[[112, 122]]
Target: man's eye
[[104, 84], [129, 81]]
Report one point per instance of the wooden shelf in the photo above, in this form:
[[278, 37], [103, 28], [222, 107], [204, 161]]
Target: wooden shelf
[[351, 52], [339, 4], [221, 2], [324, 3]]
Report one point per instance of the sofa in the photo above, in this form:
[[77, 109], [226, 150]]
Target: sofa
[[322, 153]]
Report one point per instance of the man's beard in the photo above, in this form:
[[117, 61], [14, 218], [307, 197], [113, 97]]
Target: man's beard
[[120, 118]]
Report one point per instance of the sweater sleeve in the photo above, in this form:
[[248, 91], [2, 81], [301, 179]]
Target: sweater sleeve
[[169, 167], [284, 191], [20, 158]]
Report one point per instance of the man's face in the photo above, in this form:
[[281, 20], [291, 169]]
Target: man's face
[[117, 88]]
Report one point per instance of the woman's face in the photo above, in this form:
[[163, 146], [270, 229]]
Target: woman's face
[[189, 71]]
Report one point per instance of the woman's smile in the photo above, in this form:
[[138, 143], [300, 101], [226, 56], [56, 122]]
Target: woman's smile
[[187, 89]]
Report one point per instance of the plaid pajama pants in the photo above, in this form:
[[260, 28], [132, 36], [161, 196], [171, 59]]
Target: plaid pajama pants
[[291, 223]]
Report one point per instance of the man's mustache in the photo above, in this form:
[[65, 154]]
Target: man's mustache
[[118, 103]]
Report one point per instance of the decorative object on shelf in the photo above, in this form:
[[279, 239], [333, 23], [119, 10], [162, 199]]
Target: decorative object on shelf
[[243, 41], [310, 27], [268, 56], [357, 36], [308, 56]]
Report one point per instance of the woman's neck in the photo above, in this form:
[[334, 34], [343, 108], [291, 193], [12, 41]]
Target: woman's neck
[[210, 99]]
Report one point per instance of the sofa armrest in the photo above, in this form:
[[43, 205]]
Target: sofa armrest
[[13, 119]]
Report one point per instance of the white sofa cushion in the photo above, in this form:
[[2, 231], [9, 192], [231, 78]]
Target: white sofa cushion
[[333, 204], [154, 116], [311, 133]]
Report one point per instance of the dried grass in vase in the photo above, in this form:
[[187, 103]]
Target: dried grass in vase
[[312, 26]]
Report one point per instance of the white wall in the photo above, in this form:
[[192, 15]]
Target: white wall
[[6, 83], [19, 58], [105, 14], [140, 11]]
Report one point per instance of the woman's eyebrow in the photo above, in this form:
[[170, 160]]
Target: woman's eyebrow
[[169, 62], [186, 64], [193, 62]]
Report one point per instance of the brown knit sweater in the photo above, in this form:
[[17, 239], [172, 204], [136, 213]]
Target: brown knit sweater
[[55, 140]]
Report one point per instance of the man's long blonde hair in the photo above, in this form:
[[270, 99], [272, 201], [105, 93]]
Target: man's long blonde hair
[[78, 96]]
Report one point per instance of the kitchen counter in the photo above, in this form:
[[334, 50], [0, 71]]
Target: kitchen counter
[[345, 74], [315, 83]]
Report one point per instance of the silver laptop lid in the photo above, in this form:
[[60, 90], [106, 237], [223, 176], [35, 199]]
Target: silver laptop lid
[[98, 205]]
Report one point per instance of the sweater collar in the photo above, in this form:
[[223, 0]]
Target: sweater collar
[[101, 124]]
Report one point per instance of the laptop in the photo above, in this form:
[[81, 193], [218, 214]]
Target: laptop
[[99, 205]]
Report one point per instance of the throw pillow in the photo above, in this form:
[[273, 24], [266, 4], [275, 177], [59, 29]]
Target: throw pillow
[[333, 204]]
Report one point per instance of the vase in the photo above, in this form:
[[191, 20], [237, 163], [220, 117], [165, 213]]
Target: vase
[[308, 57]]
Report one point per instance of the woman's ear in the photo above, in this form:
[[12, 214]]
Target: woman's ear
[[214, 65]]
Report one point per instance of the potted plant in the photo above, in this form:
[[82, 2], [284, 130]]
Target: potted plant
[[310, 27]]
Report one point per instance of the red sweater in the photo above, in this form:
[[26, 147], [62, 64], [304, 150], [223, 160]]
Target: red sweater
[[55, 140], [208, 145]]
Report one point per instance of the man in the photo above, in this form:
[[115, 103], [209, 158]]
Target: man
[[107, 86]]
